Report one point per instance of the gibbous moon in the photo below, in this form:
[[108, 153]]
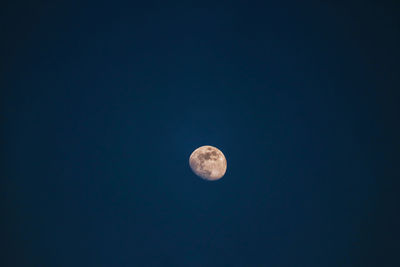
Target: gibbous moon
[[208, 162]]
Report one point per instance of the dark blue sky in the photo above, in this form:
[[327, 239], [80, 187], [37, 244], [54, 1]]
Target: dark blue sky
[[103, 102]]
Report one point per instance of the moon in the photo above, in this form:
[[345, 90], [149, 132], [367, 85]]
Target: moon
[[208, 162]]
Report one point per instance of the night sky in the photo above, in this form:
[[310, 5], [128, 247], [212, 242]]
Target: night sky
[[102, 104]]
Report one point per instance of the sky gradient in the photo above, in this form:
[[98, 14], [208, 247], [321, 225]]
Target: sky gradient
[[102, 104]]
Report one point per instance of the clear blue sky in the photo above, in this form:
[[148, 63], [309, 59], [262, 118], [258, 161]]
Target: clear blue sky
[[103, 102]]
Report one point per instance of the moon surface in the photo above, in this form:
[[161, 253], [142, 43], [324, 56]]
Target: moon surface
[[208, 162]]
